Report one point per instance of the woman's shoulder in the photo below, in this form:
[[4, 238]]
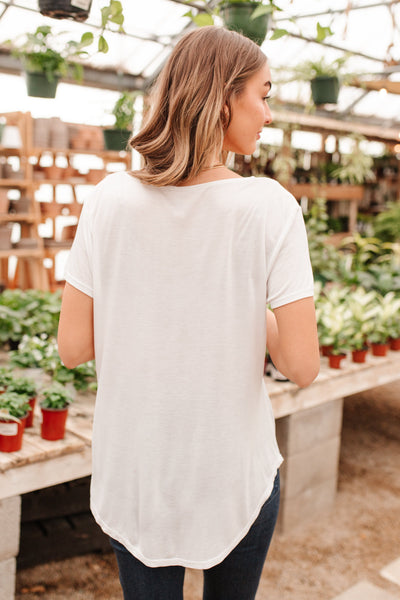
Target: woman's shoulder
[[271, 193]]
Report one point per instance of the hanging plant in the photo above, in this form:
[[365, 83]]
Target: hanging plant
[[123, 111], [250, 18], [325, 78], [77, 10], [44, 65]]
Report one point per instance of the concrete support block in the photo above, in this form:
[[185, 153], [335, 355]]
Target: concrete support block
[[311, 468], [312, 502], [10, 517], [308, 428], [7, 579], [309, 441]]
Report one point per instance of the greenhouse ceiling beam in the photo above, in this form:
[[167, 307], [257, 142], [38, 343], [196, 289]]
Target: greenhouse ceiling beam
[[379, 129], [337, 11], [334, 46], [109, 79], [144, 38]]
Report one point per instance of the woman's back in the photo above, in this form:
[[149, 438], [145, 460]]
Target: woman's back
[[179, 279]]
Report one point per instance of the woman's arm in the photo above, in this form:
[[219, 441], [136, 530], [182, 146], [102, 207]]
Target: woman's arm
[[292, 341], [75, 329]]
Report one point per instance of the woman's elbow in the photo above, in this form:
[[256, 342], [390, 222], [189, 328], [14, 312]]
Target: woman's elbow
[[72, 355], [305, 376]]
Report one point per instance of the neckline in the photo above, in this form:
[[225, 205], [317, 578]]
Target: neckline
[[196, 185]]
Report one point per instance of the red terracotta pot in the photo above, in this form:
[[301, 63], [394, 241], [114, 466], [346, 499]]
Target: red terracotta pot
[[335, 360], [29, 418], [53, 423], [11, 435], [395, 343], [326, 350], [359, 356], [379, 349]]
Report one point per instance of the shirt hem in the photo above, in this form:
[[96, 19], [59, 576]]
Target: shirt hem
[[309, 293], [79, 285], [191, 564]]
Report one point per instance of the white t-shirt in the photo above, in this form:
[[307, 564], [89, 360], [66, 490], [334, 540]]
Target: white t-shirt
[[184, 447]]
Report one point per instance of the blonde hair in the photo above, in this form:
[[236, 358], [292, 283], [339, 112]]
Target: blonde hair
[[190, 105]]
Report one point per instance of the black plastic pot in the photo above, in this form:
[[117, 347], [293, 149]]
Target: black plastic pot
[[237, 17], [39, 86], [116, 139], [77, 10], [325, 89]]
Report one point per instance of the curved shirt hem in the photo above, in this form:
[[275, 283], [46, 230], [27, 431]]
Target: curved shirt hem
[[181, 562]]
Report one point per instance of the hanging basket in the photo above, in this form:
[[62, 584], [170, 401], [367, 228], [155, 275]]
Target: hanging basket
[[237, 17], [39, 86], [325, 89], [77, 10], [116, 139]]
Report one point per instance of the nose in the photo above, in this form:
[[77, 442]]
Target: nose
[[268, 115]]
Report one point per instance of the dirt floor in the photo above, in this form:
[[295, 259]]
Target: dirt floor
[[315, 562]]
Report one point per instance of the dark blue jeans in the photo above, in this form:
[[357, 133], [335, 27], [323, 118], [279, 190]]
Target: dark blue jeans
[[235, 578]]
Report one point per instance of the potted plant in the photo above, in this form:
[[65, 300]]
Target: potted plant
[[27, 388], [54, 406], [117, 137], [362, 305], [65, 9], [250, 18], [334, 330], [387, 313], [324, 78], [13, 411], [356, 167], [44, 65]]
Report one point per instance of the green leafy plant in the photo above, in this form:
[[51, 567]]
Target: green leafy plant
[[23, 385], [124, 110], [28, 312], [363, 307], [39, 54], [309, 69], [31, 352], [355, 167], [386, 225], [5, 378], [334, 327], [386, 317], [55, 396], [13, 406]]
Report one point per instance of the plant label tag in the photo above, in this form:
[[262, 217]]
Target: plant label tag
[[81, 3], [8, 428]]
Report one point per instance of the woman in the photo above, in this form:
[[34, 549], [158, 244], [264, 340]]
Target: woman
[[167, 285]]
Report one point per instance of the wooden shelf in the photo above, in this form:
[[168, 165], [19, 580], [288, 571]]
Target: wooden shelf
[[5, 151], [18, 217], [23, 253], [109, 155], [53, 182], [15, 183], [30, 271], [327, 191]]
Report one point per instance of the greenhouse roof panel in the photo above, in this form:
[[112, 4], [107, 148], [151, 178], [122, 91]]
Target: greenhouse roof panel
[[367, 29]]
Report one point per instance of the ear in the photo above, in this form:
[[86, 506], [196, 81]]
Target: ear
[[226, 115]]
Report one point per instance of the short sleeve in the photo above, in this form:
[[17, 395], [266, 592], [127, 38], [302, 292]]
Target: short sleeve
[[290, 274], [78, 271]]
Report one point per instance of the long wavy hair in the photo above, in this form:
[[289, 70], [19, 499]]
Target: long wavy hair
[[190, 104]]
